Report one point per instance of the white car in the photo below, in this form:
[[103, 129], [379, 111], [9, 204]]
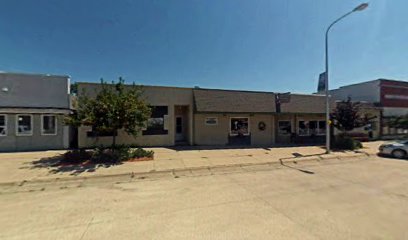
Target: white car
[[398, 149]]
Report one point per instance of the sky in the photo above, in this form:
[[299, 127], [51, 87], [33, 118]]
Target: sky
[[262, 45]]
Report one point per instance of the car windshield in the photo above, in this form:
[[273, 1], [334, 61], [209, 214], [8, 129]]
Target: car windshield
[[405, 142]]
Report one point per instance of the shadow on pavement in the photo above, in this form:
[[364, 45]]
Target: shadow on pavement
[[299, 169], [298, 155], [56, 165], [391, 157]]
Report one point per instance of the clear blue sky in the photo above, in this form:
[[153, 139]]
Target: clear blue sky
[[234, 44]]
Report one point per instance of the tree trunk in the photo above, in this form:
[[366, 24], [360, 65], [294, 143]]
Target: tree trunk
[[114, 141]]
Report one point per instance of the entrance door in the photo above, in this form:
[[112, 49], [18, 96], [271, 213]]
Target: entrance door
[[179, 128], [284, 132]]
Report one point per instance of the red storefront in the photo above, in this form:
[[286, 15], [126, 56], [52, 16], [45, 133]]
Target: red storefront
[[394, 94], [394, 102]]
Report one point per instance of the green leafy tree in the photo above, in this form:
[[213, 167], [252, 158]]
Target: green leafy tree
[[399, 122], [115, 107], [74, 89], [346, 116]]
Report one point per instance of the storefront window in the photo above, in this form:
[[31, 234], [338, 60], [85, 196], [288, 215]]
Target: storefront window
[[3, 125], [309, 128], [284, 128], [239, 126], [303, 128], [313, 128], [24, 125], [322, 128], [49, 125], [155, 124]]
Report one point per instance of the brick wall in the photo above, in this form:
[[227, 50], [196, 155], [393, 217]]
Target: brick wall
[[394, 94]]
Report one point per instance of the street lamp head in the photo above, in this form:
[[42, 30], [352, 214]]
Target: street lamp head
[[361, 7]]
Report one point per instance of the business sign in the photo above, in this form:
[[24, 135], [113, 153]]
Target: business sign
[[281, 98], [321, 87]]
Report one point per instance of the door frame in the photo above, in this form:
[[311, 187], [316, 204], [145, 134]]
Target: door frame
[[179, 136]]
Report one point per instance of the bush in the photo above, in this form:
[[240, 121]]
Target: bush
[[140, 153], [119, 153], [104, 154], [346, 143]]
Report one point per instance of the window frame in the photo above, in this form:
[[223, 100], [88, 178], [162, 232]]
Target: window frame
[[286, 134], [318, 133], [5, 125], [207, 124], [31, 123], [318, 127], [42, 125], [146, 131], [245, 134]]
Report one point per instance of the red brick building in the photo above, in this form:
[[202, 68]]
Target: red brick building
[[394, 94]]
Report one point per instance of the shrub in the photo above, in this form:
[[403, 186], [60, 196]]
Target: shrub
[[346, 143], [104, 154], [140, 153], [119, 153]]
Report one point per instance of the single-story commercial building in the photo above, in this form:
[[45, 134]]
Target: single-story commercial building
[[196, 116], [32, 108]]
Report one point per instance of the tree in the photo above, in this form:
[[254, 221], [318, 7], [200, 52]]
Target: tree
[[115, 107], [346, 116], [74, 89], [399, 122]]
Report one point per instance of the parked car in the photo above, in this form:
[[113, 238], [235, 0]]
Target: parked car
[[397, 149]]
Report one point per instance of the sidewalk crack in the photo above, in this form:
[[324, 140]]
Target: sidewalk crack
[[86, 229]]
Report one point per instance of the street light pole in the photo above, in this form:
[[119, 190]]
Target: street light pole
[[360, 7]]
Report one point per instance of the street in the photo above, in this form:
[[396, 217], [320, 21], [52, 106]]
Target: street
[[359, 198]]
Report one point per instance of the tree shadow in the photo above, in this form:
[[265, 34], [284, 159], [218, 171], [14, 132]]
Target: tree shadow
[[57, 165]]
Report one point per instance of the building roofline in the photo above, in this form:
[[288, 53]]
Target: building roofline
[[370, 81], [22, 107], [214, 89], [190, 88], [233, 90], [141, 85], [34, 74], [392, 80], [353, 84]]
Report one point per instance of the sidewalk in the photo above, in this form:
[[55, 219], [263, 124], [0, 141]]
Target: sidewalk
[[37, 166]]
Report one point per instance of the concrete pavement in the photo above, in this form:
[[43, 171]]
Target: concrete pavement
[[39, 166], [357, 198]]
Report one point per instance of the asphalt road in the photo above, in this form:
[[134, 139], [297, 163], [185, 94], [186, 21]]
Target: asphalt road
[[363, 198]]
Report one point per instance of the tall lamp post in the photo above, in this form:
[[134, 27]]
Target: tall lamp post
[[360, 7]]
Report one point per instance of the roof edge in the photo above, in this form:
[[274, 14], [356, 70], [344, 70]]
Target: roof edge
[[35, 74]]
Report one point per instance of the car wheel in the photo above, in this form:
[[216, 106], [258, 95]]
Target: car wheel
[[399, 153]]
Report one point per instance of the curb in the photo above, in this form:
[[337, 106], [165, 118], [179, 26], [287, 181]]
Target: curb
[[173, 172]]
